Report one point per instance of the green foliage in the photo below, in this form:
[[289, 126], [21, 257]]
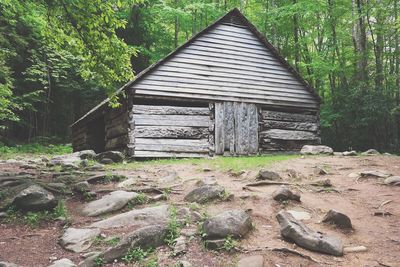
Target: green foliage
[[229, 243], [173, 228], [137, 254], [99, 261], [60, 210], [34, 148]]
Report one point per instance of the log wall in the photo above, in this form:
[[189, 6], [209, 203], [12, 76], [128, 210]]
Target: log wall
[[169, 131], [80, 138], [116, 128], [283, 131]]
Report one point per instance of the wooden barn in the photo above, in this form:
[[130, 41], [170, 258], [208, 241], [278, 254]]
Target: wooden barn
[[226, 91]]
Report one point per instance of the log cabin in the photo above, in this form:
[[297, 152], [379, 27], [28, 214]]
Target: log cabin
[[226, 91]]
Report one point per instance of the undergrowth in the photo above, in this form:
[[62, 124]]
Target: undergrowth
[[33, 148]]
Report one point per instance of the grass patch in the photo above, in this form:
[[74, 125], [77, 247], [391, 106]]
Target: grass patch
[[234, 164], [7, 152]]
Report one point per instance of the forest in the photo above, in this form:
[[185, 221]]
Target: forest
[[59, 58]]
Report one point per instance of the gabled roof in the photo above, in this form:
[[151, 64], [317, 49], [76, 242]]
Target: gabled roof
[[233, 14]]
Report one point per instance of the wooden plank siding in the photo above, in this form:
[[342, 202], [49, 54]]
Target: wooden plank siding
[[227, 63], [169, 131], [281, 131]]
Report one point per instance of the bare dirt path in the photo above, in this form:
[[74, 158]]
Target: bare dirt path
[[359, 199]]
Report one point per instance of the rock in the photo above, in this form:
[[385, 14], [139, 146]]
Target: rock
[[214, 244], [81, 187], [374, 174], [58, 186], [205, 193], [145, 238], [236, 223], [349, 153], [69, 166], [63, 263], [105, 178], [34, 198], [370, 152], [313, 150], [78, 240], [253, 261], [283, 193], [180, 246], [115, 156], [95, 167], [127, 183], [8, 264], [300, 215], [321, 182], [319, 171], [184, 264], [341, 220], [392, 180], [169, 179], [72, 158], [297, 232], [354, 175], [207, 181], [355, 249], [106, 161], [111, 202], [86, 154], [268, 175], [137, 217]]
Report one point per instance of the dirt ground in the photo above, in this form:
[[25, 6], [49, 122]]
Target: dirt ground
[[358, 198]]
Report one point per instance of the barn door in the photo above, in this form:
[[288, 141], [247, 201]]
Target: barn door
[[236, 128]]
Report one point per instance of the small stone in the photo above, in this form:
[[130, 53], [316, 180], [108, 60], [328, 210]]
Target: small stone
[[52, 258], [236, 223], [283, 193], [86, 154], [319, 171], [106, 161], [341, 220], [184, 264], [114, 156], [371, 152], [63, 263], [297, 232], [170, 178], [207, 181], [180, 246], [205, 194], [251, 261], [314, 150], [78, 240], [34, 198], [268, 175], [393, 180], [349, 153], [207, 169], [353, 175], [214, 244], [81, 187]]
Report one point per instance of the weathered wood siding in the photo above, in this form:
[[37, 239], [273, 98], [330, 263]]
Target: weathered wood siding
[[116, 128], [236, 128], [80, 138], [169, 131], [229, 63], [287, 131]]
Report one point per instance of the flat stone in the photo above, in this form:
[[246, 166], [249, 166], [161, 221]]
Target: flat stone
[[349, 153], [283, 193], [354, 175], [72, 158], [81, 187], [34, 198], [314, 150], [235, 223], [214, 244], [145, 238], [115, 156], [63, 263], [127, 183], [106, 161], [375, 174], [137, 217], [319, 171], [251, 261], [180, 246], [370, 152], [297, 232], [300, 215], [341, 220], [78, 240], [86, 154], [205, 193], [268, 175], [169, 179], [8, 264], [111, 202], [392, 180], [207, 181]]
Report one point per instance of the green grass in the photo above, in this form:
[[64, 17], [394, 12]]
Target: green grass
[[234, 164], [7, 152]]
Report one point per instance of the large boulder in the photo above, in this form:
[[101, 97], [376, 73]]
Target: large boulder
[[375, 174], [72, 158], [137, 218], [115, 156], [146, 237], [314, 150], [78, 240], [34, 198], [86, 154], [268, 175], [370, 152], [235, 223], [339, 219], [283, 193], [297, 232], [205, 193], [111, 202], [63, 263], [393, 180]]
